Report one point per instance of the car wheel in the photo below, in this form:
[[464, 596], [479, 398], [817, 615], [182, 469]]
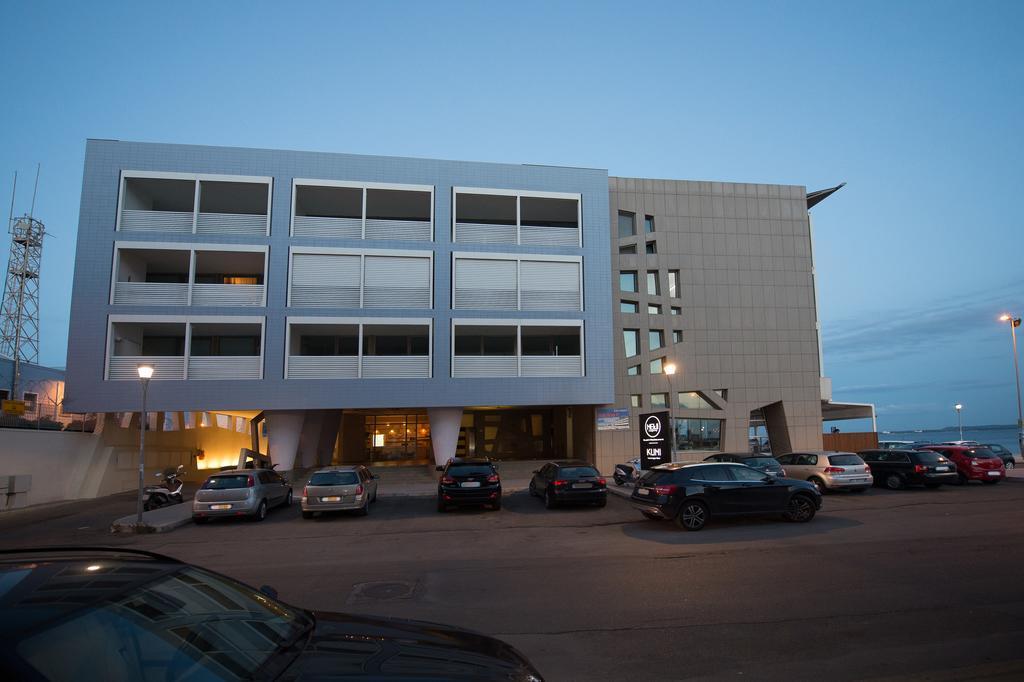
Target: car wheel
[[307, 515], [261, 511], [533, 490], [602, 503], [800, 509], [199, 520], [496, 506], [288, 499], [365, 509], [373, 500], [692, 516], [441, 506], [1009, 464], [961, 479], [549, 500], [652, 517], [893, 481], [932, 486], [818, 483]]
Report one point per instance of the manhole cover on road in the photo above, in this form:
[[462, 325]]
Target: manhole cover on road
[[382, 591]]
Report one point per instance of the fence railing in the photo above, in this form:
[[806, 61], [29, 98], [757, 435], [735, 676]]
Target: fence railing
[[50, 417]]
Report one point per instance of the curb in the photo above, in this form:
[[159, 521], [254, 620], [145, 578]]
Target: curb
[[126, 525]]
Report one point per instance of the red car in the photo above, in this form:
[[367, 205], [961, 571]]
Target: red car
[[972, 463]]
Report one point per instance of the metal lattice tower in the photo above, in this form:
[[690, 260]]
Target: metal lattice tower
[[19, 314]]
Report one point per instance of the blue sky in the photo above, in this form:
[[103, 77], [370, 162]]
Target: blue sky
[[918, 106]]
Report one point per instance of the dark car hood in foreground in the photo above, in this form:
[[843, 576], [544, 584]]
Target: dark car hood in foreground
[[347, 646]]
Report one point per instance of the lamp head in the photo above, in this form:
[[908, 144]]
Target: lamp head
[[958, 407], [145, 372], [670, 368], [1004, 318]]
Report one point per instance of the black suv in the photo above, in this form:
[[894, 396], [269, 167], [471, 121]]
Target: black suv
[[1003, 453], [569, 480], [691, 494], [468, 482], [898, 468]]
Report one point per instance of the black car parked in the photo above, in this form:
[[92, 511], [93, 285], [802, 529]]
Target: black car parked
[[466, 482], [896, 469], [691, 494], [122, 614], [765, 463], [1003, 453], [569, 481]]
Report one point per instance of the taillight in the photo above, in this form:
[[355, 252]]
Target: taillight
[[251, 483], [665, 489], [782, 473], [602, 481], [920, 468], [559, 484], [834, 470], [867, 469], [359, 489], [493, 478], [447, 480], [305, 492]]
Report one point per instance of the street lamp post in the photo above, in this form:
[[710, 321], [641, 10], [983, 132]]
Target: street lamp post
[[959, 423], [1014, 323], [145, 374], [670, 370]]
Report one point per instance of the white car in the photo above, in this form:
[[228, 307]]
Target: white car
[[828, 470]]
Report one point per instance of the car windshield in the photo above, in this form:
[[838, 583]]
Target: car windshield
[[182, 624], [577, 472], [982, 453], [470, 470], [761, 462], [226, 482], [334, 478], [845, 460], [929, 458]]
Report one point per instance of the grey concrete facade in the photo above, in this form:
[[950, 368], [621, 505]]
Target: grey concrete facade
[[746, 310]]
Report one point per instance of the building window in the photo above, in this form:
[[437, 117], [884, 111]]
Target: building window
[[633, 371], [698, 434], [659, 400], [648, 224], [631, 341], [676, 310], [30, 401], [629, 307], [677, 336], [652, 284], [627, 224], [653, 309], [636, 400], [673, 283], [722, 393], [628, 250], [657, 366], [4, 394], [655, 339], [652, 248], [693, 400], [628, 281]]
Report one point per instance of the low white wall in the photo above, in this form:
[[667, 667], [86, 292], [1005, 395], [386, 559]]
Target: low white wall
[[57, 461]]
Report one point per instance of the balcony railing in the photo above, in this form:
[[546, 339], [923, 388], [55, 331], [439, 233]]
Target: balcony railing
[[396, 297], [224, 368], [482, 233], [227, 294], [530, 235], [323, 227], [125, 367], [133, 220], [405, 230], [552, 366], [232, 223], [480, 366], [150, 293], [324, 296], [323, 367], [396, 367]]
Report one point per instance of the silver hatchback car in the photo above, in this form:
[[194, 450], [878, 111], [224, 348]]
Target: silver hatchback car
[[241, 492], [341, 488], [829, 470]]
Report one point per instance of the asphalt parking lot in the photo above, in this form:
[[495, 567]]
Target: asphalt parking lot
[[915, 583]]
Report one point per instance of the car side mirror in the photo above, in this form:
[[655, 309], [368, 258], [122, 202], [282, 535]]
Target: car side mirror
[[769, 479], [439, 468], [269, 591]]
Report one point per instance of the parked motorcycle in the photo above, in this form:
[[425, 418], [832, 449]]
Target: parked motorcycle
[[167, 492], [627, 473]]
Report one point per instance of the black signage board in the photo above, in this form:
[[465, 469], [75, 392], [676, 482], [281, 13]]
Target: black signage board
[[655, 446]]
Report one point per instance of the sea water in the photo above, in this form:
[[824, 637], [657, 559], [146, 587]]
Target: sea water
[[1004, 435]]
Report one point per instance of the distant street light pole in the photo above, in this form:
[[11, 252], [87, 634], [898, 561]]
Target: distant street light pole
[[145, 374], [959, 423], [670, 370], [1014, 323]]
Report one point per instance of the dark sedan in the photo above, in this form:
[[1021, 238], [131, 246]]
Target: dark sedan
[[692, 494], [569, 481], [118, 614], [765, 463], [897, 469], [1003, 453], [468, 482]]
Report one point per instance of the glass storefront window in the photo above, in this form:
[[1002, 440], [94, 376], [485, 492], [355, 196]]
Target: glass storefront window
[[398, 437], [698, 434]]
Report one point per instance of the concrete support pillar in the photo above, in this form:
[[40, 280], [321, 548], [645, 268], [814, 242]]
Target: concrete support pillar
[[444, 431], [778, 428], [284, 429]]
